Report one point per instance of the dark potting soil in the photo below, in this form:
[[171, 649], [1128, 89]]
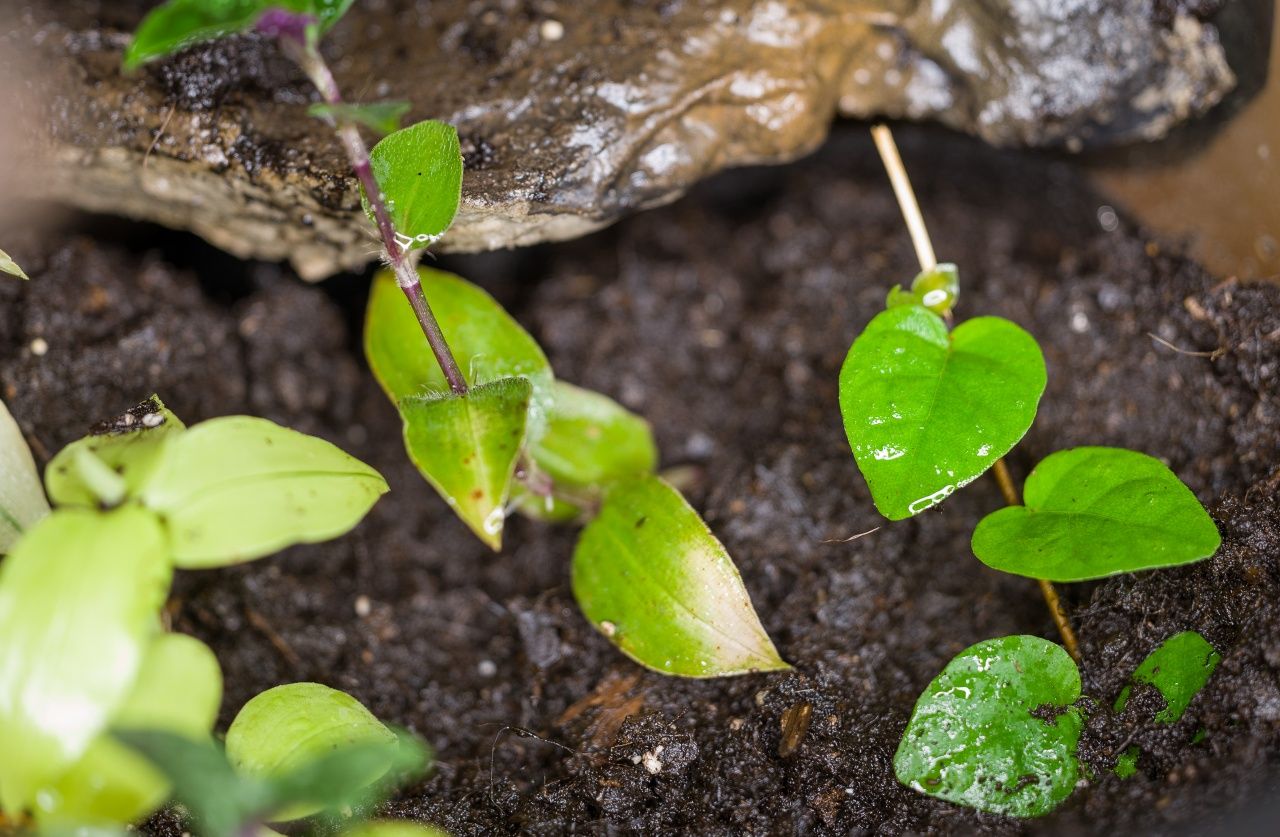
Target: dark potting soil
[[723, 319]]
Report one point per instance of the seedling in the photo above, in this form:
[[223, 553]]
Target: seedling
[[82, 589], [22, 500], [502, 434], [9, 266], [927, 410]]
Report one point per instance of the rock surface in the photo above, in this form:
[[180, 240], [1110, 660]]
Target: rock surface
[[572, 114]]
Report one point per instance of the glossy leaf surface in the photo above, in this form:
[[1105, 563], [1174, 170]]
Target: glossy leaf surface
[[974, 740], [179, 689], [394, 828], [129, 446], [926, 412], [486, 341], [383, 117], [236, 488], [419, 170], [1093, 512], [285, 728], [650, 576], [466, 447], [80, 597], [22, 501], [1178, 668], [9, 266]]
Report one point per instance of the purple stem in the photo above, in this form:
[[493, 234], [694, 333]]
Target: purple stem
[[302, 49]]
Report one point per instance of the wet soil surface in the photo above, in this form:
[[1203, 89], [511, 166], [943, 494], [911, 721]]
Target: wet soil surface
[[724, 320]]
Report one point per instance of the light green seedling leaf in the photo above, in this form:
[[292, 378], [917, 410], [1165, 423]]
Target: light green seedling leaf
[[236, 488], [394, 828], [1127, 763], [419, 170], [9, 266], [383, 117], [974, 740], [937, 289], [179, 689], [126, 449], [22, 502], [79, 599], [486, 341], [591, 442], [466, 446], [650, 576], [1179, 668], [1093, 512], [339, 780], [285, 728], [177, 24], [927, 412]]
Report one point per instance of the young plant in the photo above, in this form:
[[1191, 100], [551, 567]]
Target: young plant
[[82, 589], [493, 437], [22, 500], [927, 410], [9, 266]]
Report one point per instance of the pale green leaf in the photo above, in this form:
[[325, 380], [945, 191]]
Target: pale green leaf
[[1178, 668], [651, 577], [927, 412], [80, 597], [9, 266], [1093, 512], [419, 170], [997, 730], [591, 442], [22, 501], [178, 689], [285, 728], [236, 488], [466, 446], [486, 341], [393, 828], [129, 447], [383, 117]]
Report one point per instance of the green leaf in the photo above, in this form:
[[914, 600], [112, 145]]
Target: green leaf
[[466, 447], [1094, 512], [974, 740], [340, 779], [9, 266], [128, 447], [178, 689], [80, 597], [1127, 763], [927, 412], [486, 341], [178, 24], [236, 488], [1178, 668], [591, 442], [383, 117], [936, 289], [285, 728], [22, 502], [419, 170], [393, 828], [648, 573]]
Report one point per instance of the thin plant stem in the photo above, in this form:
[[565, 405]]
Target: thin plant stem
[[308, 57], [928, 261]]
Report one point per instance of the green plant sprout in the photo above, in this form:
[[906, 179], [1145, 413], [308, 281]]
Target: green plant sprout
[[22, 500], [297, 750], [928, 409], [493, 438], [9, 266], [999, 728], [82, 588]]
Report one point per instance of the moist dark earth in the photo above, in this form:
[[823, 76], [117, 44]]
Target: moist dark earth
[[723, 319]]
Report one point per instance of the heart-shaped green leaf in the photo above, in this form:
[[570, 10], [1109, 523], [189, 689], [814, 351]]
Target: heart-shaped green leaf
[[1179, 668], [486, 341], [648, 573], [466, 446], [178, 688], [129, 446], [927, 412], [591, 442], [236, 488], [284, 728], [1094, 512], [80, 597], [9, 266], [22, 502], [383, 117], [419, 170], [997, 729]]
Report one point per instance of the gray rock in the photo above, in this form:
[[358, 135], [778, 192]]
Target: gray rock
[[572, 114]]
